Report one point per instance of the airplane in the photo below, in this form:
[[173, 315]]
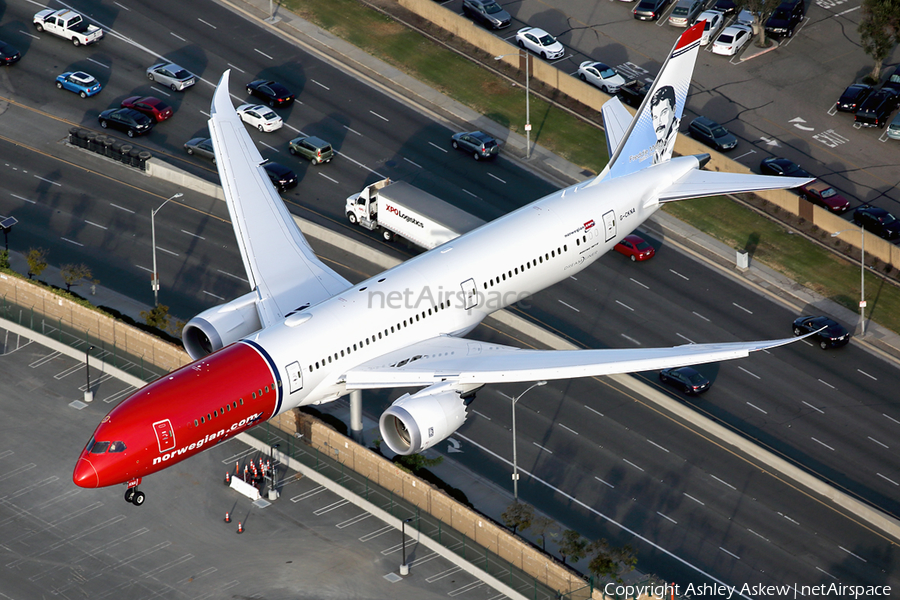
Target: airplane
[[305, 335]]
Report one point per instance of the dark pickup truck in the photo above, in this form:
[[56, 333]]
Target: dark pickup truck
[[877, 108], [632, 93]]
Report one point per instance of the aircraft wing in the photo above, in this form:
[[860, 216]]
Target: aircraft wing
[[469, 363], [280, 264], [697, 184]]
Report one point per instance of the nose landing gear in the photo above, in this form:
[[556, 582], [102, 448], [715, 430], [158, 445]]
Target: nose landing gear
[[133, 495]]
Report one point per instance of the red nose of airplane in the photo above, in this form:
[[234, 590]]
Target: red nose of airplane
[[85, 475]]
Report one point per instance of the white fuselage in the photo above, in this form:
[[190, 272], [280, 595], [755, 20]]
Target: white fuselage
[[451, 289]]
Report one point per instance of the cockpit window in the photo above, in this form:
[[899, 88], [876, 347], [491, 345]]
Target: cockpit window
[[117, 447], [99, 447]]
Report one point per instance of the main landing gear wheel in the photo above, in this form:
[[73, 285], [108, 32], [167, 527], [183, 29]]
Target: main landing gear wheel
[[134, 496], [129, 494]]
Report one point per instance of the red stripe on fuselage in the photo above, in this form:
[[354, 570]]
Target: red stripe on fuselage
[[230, 390]]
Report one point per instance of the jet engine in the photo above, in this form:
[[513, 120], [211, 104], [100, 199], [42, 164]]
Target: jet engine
[[414, 423], [221, 325]]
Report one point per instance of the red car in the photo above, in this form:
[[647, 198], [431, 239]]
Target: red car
[[819, 192], [154, 108], [636, 247]]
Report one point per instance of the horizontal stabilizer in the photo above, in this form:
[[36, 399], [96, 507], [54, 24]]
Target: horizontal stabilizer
[[616, 120], [697, 184]]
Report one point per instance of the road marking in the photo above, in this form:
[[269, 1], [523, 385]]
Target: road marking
[[379, 116], [637, 282], [412, 163], [632, 464], [827, 573], [97, 62], [604, 482], [826, 383], [789, 519], [236, 68], [374, 534], [542, 448], [23, 199], [666, 517], [731, 553], [161, 249], [749, 373], [701, 316], [568, 428], [813, 407], [442, 574], [121, 208], [468, 192], [694, 499], [72, 242], [887, 478], [330, 507], [207, 23], [310, 494], [891, 418], [322, 85], [48, 181], [122, 6], [877, 442], [725, 482], [353, 520], [177, 36], [332, 180], [679, 274], [569, 305], [867, 375], [657, 445], [853, 555], [193, 234], [593, 411], [823, 443], [625, 305], [96, 224], [481, 415], [689, 340], [630, 339], [270, 147], [263, 53], [758, 408], [352, 131], [159, 91], [495, 177], [144, 268], [749, 312], [213, 295], [444, 150], [232, 275], [758, 535]]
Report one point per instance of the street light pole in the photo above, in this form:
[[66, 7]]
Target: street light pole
[[862, 277], [404, 568], [88, 394], [527, 98], [515, 475], [155, 282]]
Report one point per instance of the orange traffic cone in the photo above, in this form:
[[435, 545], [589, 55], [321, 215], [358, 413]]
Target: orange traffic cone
[[227, 478], [240, 527], [228, 517]]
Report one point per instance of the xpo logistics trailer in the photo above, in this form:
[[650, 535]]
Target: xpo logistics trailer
[[398, 209]]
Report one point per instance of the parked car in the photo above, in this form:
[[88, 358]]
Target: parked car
[[154, 108], [260, 116], [601, 75], [650, 10], [731, 40], [685, 12], [893, 130], [126, 119], [78, 82], [819, 192], [785, 18], [853, 97], [714, 23], [172, 76], [877, 108], [687, 379], [878, 221], [8, 54], [480, 144], [487, 12], [280, 176], [726, 7], [635, 247], [201, 147], [832, 334], [775, 165], [893, 80], [540, 42], [272, 92], [745, 17], [712, 134], [314, 149], [632, 92]]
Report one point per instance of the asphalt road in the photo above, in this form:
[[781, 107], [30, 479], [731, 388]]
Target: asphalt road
[[672, 301]]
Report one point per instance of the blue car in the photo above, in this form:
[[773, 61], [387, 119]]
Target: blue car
[[78, 82]]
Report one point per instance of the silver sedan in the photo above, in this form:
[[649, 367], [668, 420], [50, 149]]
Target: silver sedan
[[171, 75]]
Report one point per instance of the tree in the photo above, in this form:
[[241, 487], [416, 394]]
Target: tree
[[609, 562], [4, 259], [762, 10], [572, 545], [158, 316], [518, 516], [879, 31], [37, 262], [541, 527], [415, 462], [72, 274]]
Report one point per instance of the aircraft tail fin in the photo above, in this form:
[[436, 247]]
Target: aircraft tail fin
[[650, 137]]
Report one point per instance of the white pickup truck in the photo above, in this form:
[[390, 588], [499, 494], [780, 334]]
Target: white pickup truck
[[68, 24]]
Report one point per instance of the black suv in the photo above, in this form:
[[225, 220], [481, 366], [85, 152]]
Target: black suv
[[127, 119], [853, 97], [878, 221], [877, 108], [487, 12], [785, 18], [281, 177], [712, 134]]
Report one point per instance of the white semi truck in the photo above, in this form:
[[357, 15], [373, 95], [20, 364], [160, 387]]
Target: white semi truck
[[398, 209], [68, 24]]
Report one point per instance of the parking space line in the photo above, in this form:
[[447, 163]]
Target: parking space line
[[309, 494], [330, 507], [376, 533], [354, 520]]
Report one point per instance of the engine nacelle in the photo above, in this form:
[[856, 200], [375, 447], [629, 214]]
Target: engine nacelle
[[221, 325], [418, 422]]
